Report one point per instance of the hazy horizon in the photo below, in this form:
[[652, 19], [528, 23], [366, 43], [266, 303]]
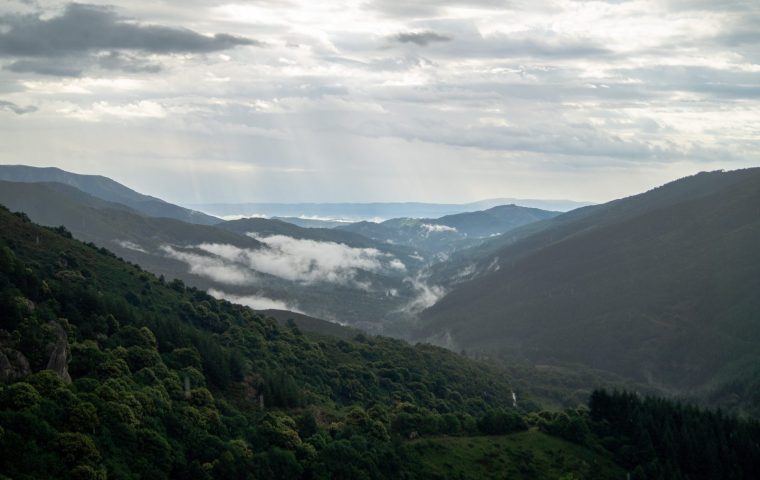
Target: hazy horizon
[[164, 194]]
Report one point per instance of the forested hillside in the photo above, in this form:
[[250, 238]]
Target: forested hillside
[[169, 382], [111, 372], [660, 287]]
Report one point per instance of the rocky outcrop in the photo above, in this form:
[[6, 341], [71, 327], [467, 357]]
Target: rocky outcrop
[[26, 303], [13, 365], [59, 352]]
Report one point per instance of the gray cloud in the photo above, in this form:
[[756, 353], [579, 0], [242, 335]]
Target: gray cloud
[[543, 45], [711, 82], [87, 28], [18, 110], [422, 38], [57, 68], [742, 36], [464, 39], [429, 8], [530, 44], [126, 63], [76, 66], [554, 138], [711, 5]]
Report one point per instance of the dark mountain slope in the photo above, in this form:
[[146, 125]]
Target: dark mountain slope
[[311, 324], [93, 219], [105, 189], [660, 287], [496, 220], [468, 263], [373, 230]]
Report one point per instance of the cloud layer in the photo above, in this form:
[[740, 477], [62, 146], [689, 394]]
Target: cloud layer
[[381, 100]]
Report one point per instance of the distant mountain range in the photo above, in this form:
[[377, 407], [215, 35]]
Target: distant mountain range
[[378, 284], [380, 211], [451, 232], [312, 222]]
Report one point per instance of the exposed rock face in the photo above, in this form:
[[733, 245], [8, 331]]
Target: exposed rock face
[[59, 352], [13, 365], [28, 304]]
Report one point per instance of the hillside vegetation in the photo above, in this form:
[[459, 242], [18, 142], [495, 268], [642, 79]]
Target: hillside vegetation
[[660, 288], [169, 382], [110, 372]]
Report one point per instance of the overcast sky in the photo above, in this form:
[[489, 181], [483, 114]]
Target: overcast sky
[[302, 100]]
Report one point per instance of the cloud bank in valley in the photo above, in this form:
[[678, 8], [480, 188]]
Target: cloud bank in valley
[[212, 267], [435, 228], [296, 260], [426, 296], [307, 261], [256, 302], [252, 272], [130, 246]]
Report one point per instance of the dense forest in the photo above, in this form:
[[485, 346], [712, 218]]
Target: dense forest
[[111, 372]]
